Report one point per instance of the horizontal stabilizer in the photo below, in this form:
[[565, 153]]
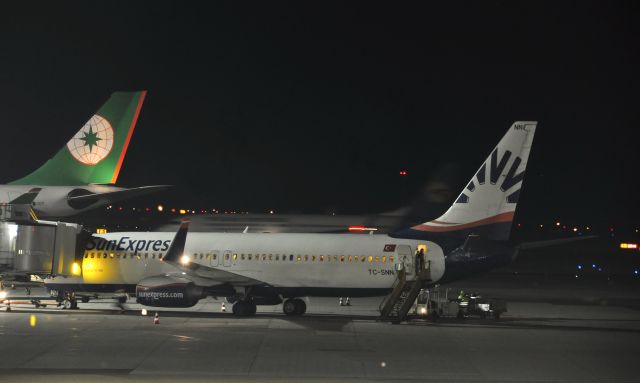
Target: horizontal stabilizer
[[114, 196], [26, 198]]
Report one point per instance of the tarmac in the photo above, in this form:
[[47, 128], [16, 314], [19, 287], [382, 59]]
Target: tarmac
[[532, 342]]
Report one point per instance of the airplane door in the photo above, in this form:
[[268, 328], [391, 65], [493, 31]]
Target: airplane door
[[406, 257], [215, 257], [226, 258]]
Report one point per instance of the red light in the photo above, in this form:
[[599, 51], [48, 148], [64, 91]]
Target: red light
[[403, 172], [356, 228], [628, 245]]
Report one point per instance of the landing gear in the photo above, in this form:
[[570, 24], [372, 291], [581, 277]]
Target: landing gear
[[244, 308], [69, 304], [294, 307]]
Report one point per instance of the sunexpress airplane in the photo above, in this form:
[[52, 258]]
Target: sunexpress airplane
[[177, 270], [82, 174]]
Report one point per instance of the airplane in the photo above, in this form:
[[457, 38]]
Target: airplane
[[164, 269], [81, 176]]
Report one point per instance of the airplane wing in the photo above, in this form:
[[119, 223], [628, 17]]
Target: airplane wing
[[114, 196]]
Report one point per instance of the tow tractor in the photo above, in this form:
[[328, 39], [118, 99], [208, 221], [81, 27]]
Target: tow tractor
[[435, 303]]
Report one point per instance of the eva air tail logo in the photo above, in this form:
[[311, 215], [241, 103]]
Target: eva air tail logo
[[93, 142]]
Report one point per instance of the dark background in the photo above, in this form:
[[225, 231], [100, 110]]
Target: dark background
[[316, 107]]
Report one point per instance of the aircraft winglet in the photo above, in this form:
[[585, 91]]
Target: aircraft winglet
[[177, 245]]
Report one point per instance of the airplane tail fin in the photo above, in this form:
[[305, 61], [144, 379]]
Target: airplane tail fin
[[95, 153], [487, 204]]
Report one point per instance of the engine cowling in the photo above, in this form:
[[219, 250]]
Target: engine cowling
[[166, 291]]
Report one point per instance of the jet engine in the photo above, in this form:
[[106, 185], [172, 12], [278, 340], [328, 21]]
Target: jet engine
[[168, 291]]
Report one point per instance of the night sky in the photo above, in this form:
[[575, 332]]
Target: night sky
[[316, 108]]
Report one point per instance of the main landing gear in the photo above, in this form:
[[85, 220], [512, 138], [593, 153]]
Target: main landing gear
[[294, 306], [244, 308]]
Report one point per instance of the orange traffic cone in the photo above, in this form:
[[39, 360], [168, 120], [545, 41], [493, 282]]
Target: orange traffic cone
[[156, 319]]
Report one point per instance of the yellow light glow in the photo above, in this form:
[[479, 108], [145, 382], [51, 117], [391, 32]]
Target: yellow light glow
[[33, 320], [160, 208], [185, 259], [101, 230], [423, 247], [182, 211], [3, 295], [75, 269]]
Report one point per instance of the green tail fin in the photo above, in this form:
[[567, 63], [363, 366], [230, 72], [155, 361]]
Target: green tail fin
[[94, 155]]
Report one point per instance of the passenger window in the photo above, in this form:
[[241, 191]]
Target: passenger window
[[306, 258], [215, 256], [313, 258], [146, 255], [370, 259], [299, 258], [291, 257], [249, 256], [377, 258], [335, 258], [363, 258], [104, 255], [235, 256], [391, 258], [124, 256], [384, 259], [277, 257], [271, 257], [242, 256], [350, 258], [342, 258], [322, 258], [226, 257]]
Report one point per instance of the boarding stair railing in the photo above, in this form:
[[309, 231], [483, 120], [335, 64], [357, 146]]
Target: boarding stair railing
[[395, 306]]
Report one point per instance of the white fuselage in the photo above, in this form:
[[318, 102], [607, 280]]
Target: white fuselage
[[334, 261], [51, 201]]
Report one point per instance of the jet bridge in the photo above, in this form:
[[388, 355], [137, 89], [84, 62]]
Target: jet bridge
[[32, 246]]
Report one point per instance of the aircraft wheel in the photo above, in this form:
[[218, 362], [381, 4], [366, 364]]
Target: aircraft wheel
[[66, 304], [243, 309], [301, 306], [289, 307]]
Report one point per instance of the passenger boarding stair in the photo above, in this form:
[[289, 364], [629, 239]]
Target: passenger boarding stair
[[395, 306]]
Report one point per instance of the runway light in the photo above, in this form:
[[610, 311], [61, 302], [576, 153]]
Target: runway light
[[160, 208], [579, 267], [575, 229], [593, 265], [185, 259], [557, 223], [403, 172]]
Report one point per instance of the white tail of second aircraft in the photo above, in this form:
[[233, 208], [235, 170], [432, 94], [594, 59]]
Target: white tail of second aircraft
[[488, 202]]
